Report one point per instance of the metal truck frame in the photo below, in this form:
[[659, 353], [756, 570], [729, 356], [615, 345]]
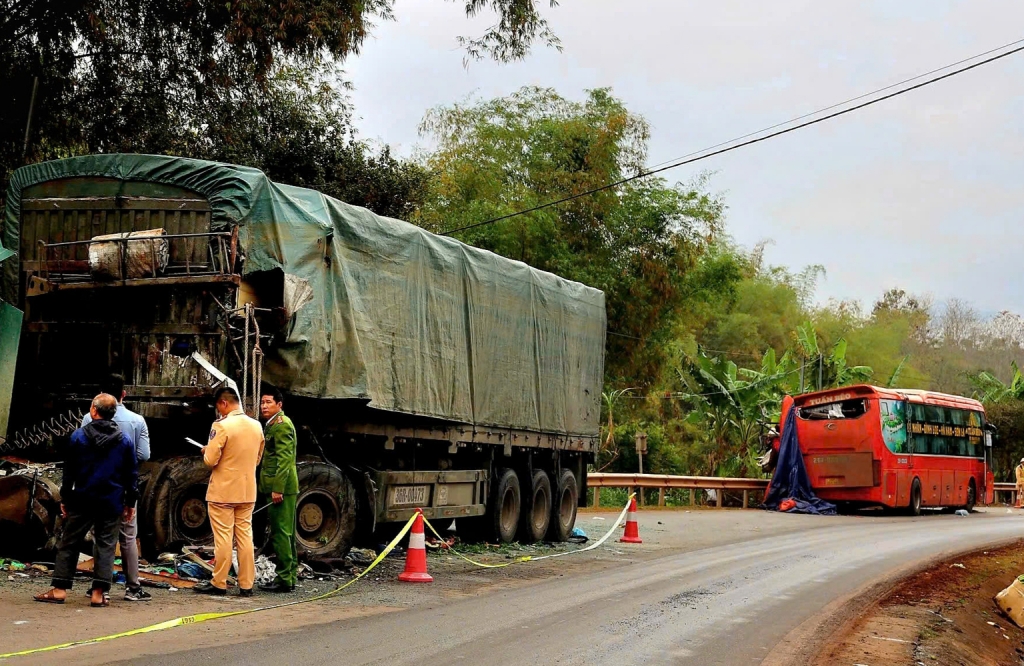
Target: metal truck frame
[[213, 310]]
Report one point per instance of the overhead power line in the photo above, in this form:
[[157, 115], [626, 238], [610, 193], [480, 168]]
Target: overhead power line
[[843, 103], [731, 145]]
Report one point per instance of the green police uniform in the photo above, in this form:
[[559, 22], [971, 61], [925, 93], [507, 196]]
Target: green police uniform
[[279, 475]]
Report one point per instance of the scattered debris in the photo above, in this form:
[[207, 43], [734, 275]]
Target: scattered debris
[[192, 570], [1011, 601], [957, 565], [434, 543], [961, 512], [578, 536], [266, 570], [361, 557], [190, 554]]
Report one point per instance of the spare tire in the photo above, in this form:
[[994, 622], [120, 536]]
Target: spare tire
[[325, 510]]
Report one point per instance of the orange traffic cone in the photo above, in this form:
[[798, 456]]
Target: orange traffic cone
[[632, 533], [416, 556]]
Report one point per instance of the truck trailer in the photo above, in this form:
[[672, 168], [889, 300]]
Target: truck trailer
[[422, 373]]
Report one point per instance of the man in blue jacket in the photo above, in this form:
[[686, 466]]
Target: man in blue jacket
[[100, 486], [134, 426]]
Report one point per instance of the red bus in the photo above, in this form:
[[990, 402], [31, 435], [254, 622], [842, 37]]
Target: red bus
[[897, 448]]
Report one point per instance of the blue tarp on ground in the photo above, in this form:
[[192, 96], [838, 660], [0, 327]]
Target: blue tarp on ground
[[790, 480]]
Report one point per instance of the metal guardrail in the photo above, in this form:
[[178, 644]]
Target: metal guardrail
[[1006, 487], [663, 482]]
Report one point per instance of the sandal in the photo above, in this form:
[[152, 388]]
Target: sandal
[[106, 595], [102, 604], [48, 598]]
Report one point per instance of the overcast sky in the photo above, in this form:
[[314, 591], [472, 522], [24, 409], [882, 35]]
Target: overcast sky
[[924, 192]]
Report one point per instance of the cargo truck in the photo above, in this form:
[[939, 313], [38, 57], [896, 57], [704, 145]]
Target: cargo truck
[[422, 373]]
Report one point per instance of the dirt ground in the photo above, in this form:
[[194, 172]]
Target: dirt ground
[[944, 615]]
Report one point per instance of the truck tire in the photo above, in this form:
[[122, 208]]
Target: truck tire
[[506, 507], [914, 508], [175, 502], [536, 513], [563, 509], [325, 510]]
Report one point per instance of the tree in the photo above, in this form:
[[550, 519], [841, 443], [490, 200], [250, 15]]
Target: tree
[[731, 404], [827, 370], [636, 242], [162, 76], [297, 130], [991, 389], [958, 324], [608, 451]]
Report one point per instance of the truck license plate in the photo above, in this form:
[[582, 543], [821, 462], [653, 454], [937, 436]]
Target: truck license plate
[[409, 494]]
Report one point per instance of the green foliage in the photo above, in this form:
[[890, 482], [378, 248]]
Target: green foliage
[[249, 81], [636, 243], [731, 405], [1008, 449], [894, 378], [991, 389]]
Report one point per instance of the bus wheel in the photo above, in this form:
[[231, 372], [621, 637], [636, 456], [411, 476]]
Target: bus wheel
[[915, 498], [506, 506], [972, 496]]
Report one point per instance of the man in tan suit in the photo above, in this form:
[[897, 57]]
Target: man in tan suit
[[234, 451], [1020, 483]]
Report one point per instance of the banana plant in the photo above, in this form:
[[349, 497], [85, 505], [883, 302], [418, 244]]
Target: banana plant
[[895, 376], [608, 448], [827, 370], [732, 403], [990, 389]]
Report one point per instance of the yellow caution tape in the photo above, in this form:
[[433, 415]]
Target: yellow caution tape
[[206, 617], [530, 558]]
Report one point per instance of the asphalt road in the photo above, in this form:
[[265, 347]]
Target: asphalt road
[[728, 603]]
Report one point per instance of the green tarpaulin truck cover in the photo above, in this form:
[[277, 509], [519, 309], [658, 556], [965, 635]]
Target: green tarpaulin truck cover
[[384, 310]]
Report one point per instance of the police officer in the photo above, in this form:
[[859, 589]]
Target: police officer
[[233, 452], [279, 478], [1020, 482]]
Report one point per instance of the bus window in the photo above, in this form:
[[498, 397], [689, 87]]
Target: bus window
[[946, 431], [894, 425], [844, 409]]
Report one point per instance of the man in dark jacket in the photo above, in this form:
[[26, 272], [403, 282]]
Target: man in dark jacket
[[99, 487]]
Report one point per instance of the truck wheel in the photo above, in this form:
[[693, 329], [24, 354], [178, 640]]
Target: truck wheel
[[176, 504], [536, 514], [563, 509], [325, 510], [506, 507], [972, 496], [914, 509]]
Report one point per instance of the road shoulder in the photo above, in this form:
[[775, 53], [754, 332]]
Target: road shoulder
[[939, 612]]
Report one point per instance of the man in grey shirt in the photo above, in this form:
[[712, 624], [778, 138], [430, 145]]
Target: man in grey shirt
[[135, 427]]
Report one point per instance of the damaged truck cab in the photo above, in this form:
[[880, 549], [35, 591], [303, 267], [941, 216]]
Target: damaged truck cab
[[421, 372]]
